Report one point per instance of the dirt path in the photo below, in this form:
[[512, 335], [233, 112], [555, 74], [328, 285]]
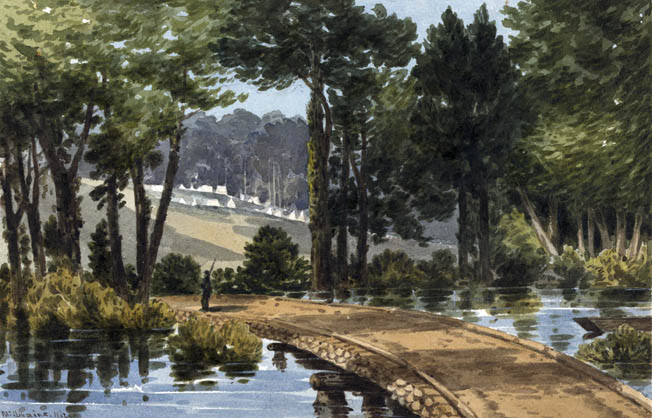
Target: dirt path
[[478, 371]]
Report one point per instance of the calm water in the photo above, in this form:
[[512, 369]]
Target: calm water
[[94, 374], [543, 315], [99, 374]]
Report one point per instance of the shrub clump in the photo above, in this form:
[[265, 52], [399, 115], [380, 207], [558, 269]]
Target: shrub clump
[[176, 274], [626, 352], [571, 267], [518, 258], [199, 341], [63, 300], [609, 269], [440, 270], [272, 263], [394, 269]]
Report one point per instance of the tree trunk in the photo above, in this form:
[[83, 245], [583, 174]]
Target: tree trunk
[[462, 234], [621, 232], [318, 152], [536, 223], [66, 184], [343, 213], [32, 206], [603, 229], [590, 226], [580, 235], [363, 227], [115, 239], [161, 214], [632, 251], [143, 216], [643, 249], [35, 213], [485, 251], [12, 222], [553, 221]]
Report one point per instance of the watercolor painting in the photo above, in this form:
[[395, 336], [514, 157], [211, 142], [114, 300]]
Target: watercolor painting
[[330, 208]]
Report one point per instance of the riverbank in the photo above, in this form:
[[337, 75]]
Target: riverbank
[[435, 365]]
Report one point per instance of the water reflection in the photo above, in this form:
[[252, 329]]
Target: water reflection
[[542, 315], [90, 373], [333, 386]]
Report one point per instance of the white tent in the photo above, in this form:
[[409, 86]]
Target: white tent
[[278, 213], [293, 215], [205, 188], [220, 190], [231, 204], [214, 203], [303, 216], [269, 211], [182, 187]]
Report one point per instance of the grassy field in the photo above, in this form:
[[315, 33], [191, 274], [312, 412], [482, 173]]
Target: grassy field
[[214, 233]]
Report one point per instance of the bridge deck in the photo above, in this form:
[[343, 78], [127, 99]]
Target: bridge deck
[[481, 372]]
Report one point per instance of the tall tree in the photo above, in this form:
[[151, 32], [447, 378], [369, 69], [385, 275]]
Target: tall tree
[[172, 37], [274, 44], [592, 80], [468, 116]]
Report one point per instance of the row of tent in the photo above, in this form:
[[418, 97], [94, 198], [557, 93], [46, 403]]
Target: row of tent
[[232, 203], [292, 214]]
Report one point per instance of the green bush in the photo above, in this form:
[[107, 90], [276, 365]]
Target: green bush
[[199, 341], [99, 259], [440, 270], [610, 269], [156, 315], [571, 267], [394, 269], [63, 300], [518, 257], [626, 352], [226, 280], [176, 274], [272, 263]]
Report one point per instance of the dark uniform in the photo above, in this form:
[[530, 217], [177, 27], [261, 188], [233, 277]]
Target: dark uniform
[[206, 290]]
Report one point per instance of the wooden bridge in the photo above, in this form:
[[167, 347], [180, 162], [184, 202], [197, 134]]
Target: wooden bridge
[[434, 365]]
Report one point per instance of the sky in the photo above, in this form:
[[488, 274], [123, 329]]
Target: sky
[[293, 100]]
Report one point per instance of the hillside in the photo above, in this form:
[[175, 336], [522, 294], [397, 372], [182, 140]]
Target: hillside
[[220, 233]]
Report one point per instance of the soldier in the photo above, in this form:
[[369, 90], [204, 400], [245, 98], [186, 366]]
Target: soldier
[[206, 290]]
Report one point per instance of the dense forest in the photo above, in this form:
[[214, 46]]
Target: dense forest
[[541, 143]]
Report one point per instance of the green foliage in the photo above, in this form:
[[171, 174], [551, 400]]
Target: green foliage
[[52, 245], [63, 300], [155, 315], [199, 341], [176, 274], [394, 269], [272, 263], [440, 270], [99, 259], [518, 257], [225, 280], [626, 352], [610, 269], [25, 249], [571, 267]]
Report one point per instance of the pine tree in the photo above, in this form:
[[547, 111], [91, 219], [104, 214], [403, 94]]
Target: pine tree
[[99, 259]]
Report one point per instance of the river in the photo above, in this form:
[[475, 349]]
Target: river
[[100, 374]]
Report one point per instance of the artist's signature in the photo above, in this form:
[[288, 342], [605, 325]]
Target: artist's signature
[[27, 413]]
